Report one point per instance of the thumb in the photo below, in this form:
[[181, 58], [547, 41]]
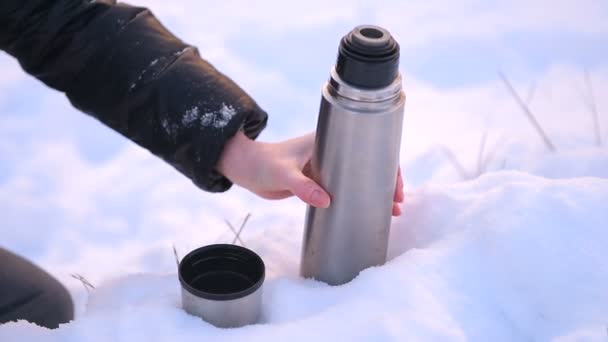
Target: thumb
[[308, 190]]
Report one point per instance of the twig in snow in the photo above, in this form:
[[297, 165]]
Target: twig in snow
[[593, 109], [235, 232], [176, 256], [491, 154], [87, 285], [526, 110], [238, 234], [455, 162], [484, 161]]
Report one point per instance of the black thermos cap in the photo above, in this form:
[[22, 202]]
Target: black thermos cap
[[368, 57]]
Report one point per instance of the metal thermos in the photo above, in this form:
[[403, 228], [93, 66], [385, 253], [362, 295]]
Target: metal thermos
[[355, 158]]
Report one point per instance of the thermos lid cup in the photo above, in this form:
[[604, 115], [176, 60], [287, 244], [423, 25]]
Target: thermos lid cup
[[222, 284], [221, 272]]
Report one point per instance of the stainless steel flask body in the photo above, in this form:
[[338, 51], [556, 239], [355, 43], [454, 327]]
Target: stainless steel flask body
[[355, 158]]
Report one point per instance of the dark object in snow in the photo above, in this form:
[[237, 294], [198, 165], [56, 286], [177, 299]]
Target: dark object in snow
[[29, 293], [120, 65], [356, 147], [222, 284]]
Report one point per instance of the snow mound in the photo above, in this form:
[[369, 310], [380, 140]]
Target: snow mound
[[434, 166], [506, 257]]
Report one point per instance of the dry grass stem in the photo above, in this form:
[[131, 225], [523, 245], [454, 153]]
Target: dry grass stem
[[87, 284], [526, 110], [593, 109]]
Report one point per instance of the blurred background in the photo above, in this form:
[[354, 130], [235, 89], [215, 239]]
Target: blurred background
[[78, 198]]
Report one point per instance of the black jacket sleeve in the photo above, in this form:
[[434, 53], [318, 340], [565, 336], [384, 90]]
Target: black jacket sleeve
[[119, 64]]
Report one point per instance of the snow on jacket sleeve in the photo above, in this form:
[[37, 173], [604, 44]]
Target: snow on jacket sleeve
[[119, 64]]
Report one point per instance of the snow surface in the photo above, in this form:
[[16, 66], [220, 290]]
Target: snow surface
[[507, 257], [514, 251]]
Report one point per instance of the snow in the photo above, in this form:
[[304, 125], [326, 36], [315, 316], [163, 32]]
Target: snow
[[516, 252], [220, 118], [170, 128], [153, 63], [182, 51], [190, 116], [144, 71], [509, 256]]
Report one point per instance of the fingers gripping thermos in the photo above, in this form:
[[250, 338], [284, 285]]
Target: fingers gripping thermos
[[355, 158]]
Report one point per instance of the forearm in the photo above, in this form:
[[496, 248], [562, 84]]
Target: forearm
[[235, 155], [119, 64], [240, 159]]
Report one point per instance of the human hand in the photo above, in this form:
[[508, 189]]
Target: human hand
[[278, 170]]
